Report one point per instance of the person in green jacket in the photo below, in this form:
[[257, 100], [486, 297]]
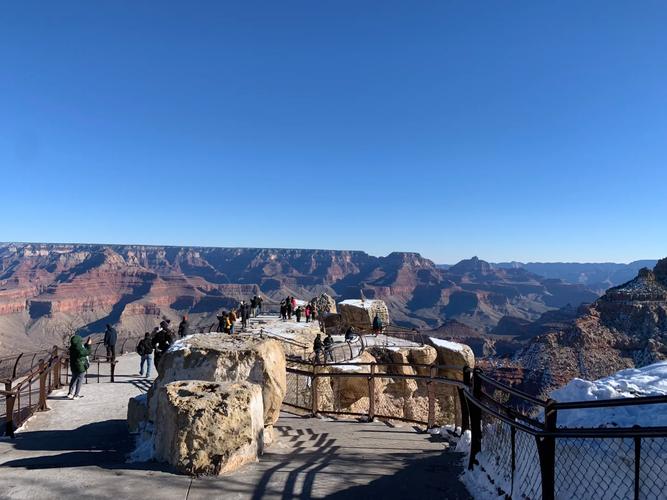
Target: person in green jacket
[[78, 362]]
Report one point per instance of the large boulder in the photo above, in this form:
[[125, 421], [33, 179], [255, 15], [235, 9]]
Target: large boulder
[[325, 304], [137, 412], [360, 313], [209, 428], [455, 356], [222, 358]]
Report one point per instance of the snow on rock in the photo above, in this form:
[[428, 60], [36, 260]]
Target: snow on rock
[[454, 346], [650, 380]]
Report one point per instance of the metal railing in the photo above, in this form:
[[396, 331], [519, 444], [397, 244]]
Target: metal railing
[[515, 438]]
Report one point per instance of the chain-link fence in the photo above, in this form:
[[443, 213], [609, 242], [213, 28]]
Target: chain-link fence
[[522, 452]]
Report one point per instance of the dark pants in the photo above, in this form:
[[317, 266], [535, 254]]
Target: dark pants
[[111, 352], [75, 383]]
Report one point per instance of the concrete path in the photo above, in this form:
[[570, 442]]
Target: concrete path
[[78, 450]]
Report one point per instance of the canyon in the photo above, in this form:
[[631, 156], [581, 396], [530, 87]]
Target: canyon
[[49, 291]]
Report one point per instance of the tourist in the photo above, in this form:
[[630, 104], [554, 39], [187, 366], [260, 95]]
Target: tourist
[[232, 321], [145, 350], [245, 314], [283, 310], [161, 341], [349, 335], [307, 312], [377, 324], [221, 322], [253, 306], [259, 305], [184, 327], [79, 363], [328, 346], [293, 303], [318, 347], [288, 303], [297, 313], [110, 337], [226, 324]]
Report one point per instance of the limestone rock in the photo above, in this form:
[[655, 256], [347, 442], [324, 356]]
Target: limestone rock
[[360, 313], [222, 358], [209, 428], [137, 412], [455, 355], [325, 304]]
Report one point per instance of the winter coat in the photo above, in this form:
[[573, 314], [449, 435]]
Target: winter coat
[[78, 355], [328, 341], [162, 340], [232, 316], [184, 329], [145, 347], [377, 323], [317, 345], [110, 336]]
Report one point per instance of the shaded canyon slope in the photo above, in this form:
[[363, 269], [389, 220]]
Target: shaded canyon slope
[[48, 291], [626, 327]]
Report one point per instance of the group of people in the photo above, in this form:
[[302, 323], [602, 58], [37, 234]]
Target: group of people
[[245, 310], [289, 307]]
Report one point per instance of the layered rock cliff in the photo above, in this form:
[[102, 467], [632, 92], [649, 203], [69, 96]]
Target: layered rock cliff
[[48, 291]]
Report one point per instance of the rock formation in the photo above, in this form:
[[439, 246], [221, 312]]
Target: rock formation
[[627, 327], [360, 313], [222, 358], [209, 428], [46, 289]]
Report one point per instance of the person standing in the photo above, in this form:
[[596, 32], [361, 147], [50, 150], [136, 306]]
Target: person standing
[[232, 321], [377, 325], [184, 327], [283, 310], [318, 347], [221, 322], [161, 341], [307, 312], [297, 313], [288, 303], [328, 347], [78, 363], [259, 305], [253, 306], [110, 338], [145, 350], [245, 314]]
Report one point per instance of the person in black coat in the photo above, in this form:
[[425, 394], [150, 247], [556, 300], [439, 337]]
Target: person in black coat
[[110, 338], [328, 346], [318, 348], [184, 327], [145, 350], [297, 313], [162, 339]]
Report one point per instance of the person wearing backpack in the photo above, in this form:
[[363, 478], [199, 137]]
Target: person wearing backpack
[[145, 350], [78, 363]]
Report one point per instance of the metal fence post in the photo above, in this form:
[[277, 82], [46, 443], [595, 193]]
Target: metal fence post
[[638, 456], [42, 386], [430, 389], [9, 408], [475, 419], [371, 394], [546, 449], [313, 396]]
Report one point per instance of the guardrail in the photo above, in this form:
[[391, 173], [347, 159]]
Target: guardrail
[[515, 438], [29, 378]]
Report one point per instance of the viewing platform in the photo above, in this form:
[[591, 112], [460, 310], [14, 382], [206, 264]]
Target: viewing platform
[[80, 448]]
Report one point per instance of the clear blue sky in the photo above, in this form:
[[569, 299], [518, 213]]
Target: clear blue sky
[[509, 130]]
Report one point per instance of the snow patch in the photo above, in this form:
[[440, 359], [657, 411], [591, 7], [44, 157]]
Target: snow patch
[[447, 344], [650, 380]]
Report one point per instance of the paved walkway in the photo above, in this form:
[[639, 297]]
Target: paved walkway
[[78, 449]]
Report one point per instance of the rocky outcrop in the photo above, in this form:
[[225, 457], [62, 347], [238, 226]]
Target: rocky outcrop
[[209, 428], [221, 358], [360, 313], [137, 413], [325, 304]]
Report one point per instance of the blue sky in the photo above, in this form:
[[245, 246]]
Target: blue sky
[[509, 130]]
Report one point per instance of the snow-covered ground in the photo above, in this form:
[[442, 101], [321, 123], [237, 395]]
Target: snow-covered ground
[[585, 468], [631, 383]]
